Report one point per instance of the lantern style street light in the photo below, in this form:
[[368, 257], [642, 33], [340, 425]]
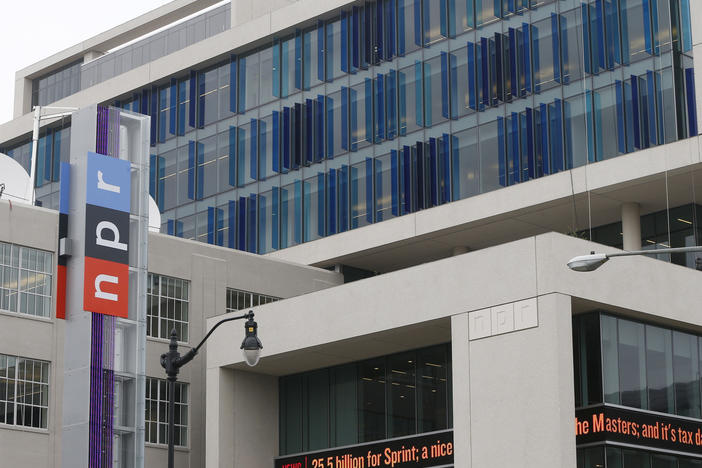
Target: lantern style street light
[[172, 361]]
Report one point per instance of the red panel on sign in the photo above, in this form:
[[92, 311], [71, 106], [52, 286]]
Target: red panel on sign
[[61, 292], [106, 287]]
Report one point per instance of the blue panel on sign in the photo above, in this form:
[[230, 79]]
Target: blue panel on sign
[[108, 182]]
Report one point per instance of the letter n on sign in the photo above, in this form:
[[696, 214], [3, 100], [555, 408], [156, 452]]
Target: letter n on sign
[[106, 276]]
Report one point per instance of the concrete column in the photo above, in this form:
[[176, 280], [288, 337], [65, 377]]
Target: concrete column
[[460, 352], [631, 226]]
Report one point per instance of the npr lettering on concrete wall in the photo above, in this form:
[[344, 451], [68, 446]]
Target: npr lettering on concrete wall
[[427, 450], [106, 278], [615, 424]]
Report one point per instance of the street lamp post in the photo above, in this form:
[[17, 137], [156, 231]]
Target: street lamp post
[[172, 361], [594, 261]]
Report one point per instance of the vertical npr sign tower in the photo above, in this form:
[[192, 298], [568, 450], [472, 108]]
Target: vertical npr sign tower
[[102, 275]]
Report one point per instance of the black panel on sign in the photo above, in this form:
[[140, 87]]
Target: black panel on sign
[[645, 429], [106, 234], [423, 451]]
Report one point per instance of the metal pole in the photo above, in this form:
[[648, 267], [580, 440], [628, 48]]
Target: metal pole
[[171, 422], [33, 162], [172, 361]]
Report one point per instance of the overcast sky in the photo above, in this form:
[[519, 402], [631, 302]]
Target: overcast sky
[[33, 30]]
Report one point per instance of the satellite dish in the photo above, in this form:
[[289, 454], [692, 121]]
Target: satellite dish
[[15, 179], [154, 216]]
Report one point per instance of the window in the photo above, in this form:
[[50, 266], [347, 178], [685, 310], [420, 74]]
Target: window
[[25, 280], [167, 307], [388, 396], [639, 365], [24, 391], [238, 300], [157, 412]]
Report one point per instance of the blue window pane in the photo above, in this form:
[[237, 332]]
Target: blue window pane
[[576, 143], [186, 173], [571, 43], [267, 221], [436, 106], [686, 25], [386, 183], [183, 106], [610, 131], [310, 54], [164, 114], [489, 139], [336, 124], [466, 164], [635, 19], [343, 182], [270, 74], [313, 210], [267, 152], [487, 11], [434, 13], [224, 161], [361, 194], [461, 16], [207, 166], [410, 99], [391, 104], [246, 153], [249, 75], [168, 180], [361, 115], [334, 66], [43, 160], [409, 27], [213, 91], [291, 215], [288, 64], [542, 46]]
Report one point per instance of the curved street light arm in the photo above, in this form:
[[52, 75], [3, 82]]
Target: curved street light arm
[[696, 248]]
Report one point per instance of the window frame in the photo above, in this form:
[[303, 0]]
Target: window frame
[[45, 368], [150, 381], [160, 317]]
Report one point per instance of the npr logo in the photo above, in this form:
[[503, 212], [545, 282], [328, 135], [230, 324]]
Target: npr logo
[[106, 277]]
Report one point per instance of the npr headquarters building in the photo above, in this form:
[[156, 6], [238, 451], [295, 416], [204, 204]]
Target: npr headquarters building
[[394, 187]]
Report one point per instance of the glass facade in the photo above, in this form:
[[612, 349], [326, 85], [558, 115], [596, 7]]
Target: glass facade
[[391, 396], [401, 105], [630, 363], [678, 227], [57, 84], [616, 457], [620, 361]]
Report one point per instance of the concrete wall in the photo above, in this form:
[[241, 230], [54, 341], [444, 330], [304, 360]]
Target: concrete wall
[[513, 385], [209, 269], [521, 393], [35, 338]]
